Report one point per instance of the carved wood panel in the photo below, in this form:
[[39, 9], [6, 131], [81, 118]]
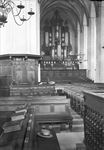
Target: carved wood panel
[[31, 73]]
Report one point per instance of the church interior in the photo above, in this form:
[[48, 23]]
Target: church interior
[[51, 74]]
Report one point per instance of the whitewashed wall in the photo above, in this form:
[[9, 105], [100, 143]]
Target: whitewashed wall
[[21, 39]]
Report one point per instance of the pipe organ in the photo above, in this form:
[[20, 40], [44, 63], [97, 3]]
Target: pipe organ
[[56, 62], [56, 38]]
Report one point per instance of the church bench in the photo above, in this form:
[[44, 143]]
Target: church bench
[[55, 120], [25, 136], [54, 114], [56, 106], [77, 102], [75, 93], [29, 91], [11, 103], [76, 99]]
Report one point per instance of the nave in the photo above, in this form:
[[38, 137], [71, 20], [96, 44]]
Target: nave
[[63, 42], [87, 100], [67, 139], [62, 114]]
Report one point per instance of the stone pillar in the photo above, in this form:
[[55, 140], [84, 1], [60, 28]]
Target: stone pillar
[[37, 27], [84, 59], [72, 41], [78, 38], [38, 36], [81, 45], [93, 48], [101, 50], [92, 43], [73, 50], [75, 45], [91, 59], [98, 46], [83, 51], [89, 51]]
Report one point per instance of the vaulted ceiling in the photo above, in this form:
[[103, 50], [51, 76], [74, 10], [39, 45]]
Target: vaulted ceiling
[[73, 10]]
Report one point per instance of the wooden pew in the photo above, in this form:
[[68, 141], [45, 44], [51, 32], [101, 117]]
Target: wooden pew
[[53, 114], [29, 90], [76, 98], [28, 138], [25, 136], [56, 108], [74, 92]]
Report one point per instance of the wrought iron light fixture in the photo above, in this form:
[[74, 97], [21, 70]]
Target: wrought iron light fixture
[[7, 6], [80, 57], [75, 60]]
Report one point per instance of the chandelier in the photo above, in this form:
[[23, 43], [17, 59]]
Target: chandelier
[[7, 6], [75, 60], [80, 57]]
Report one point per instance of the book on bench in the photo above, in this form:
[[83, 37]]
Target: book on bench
[[8, 142], [12, 126], [18, 116], [23, 108]]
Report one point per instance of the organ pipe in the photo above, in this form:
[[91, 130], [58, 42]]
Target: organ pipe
[[57, 36]]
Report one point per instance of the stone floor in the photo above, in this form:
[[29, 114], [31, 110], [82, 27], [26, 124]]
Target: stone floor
[[67, 139]]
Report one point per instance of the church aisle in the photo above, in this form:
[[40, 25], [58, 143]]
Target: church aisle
[[67, 139]]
